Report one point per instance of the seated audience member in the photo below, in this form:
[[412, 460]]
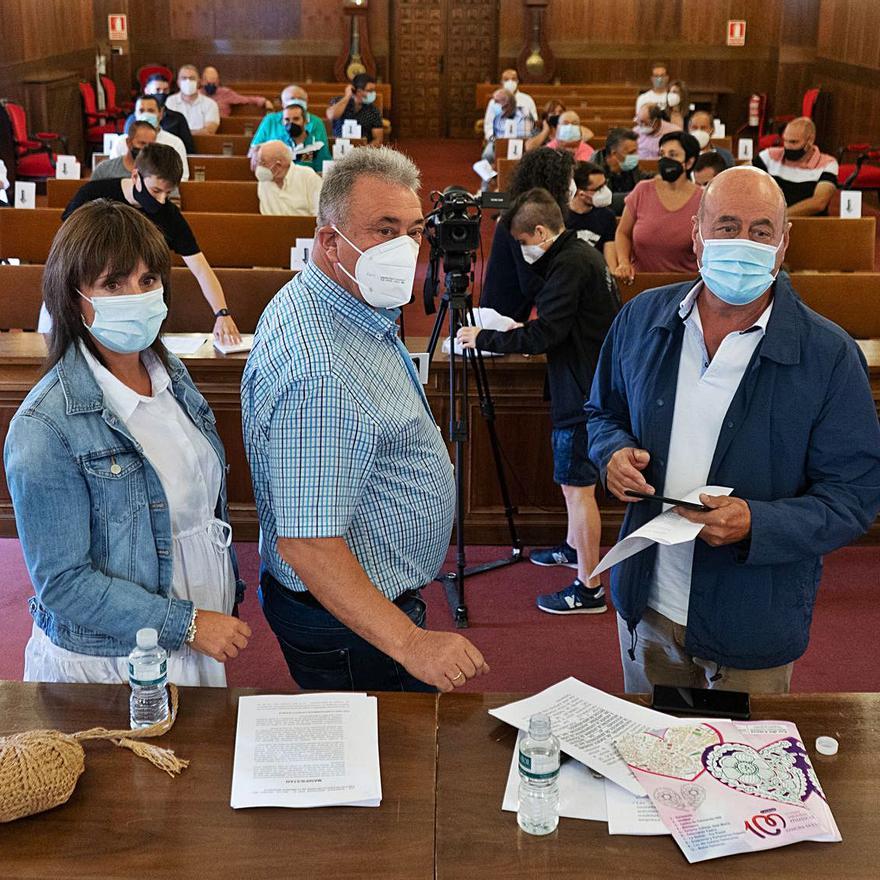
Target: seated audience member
[[171, 121], [358, 103], [761, 394], [807, 176], [510, 121], [139, 135], [156, 173], [285, 187], [272, 126], [659, 92], [707, 167], [509, 84], [307, 151], [620, 159], [510, 284], [227, 98], [201, 112], [678, 104], [148, 109], [117, 473], [588, 212], [654, 234], [569, 137], [549, 120], [576, 303], [651, 126], [351, 476], [701, 125]]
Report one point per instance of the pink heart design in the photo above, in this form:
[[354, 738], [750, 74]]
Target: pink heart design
[[677, 753]]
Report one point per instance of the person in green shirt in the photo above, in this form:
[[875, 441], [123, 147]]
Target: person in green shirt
[[272, 128]]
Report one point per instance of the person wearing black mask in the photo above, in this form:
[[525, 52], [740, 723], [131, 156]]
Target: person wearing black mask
[[307, 150], [139, 135], [157, 171], [170, 120], [654, 233], [806, 175]]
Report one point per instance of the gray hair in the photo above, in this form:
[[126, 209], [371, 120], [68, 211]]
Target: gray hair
[[339, 181]]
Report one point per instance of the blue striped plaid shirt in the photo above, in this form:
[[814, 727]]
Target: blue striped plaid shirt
[[340, 439]]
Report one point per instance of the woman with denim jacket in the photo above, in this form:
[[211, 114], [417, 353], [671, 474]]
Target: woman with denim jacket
[[117, 473]]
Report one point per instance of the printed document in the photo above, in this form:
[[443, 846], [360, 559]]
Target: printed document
[[306, 750]]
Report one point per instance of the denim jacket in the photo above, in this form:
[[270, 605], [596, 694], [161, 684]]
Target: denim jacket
[[800, 443], [92, 516]]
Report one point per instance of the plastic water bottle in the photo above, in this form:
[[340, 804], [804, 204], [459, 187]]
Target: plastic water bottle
[[148, 677], [538, 811]]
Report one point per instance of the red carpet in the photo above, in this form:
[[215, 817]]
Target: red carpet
[[526, 649]]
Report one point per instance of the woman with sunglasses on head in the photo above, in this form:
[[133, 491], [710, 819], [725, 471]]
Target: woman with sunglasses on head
[[117, 473]]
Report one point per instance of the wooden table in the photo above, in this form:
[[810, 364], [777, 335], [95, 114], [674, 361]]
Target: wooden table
[[444, 767], [128, 819], [476, 839]]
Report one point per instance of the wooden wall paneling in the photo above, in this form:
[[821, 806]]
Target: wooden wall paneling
[[417, 49], [471, 53]]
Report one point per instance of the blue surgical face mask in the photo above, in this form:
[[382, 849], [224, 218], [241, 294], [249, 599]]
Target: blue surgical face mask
[[127, 324], [369, 97], [148, 117], [737, 270], [568, 132], [630, 162]]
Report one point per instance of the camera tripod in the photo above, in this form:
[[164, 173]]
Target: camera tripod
[[456, 304]]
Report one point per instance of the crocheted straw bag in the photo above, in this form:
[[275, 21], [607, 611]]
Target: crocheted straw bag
[[39, 769]]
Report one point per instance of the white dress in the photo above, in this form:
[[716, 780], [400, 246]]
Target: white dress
[[191, 474]]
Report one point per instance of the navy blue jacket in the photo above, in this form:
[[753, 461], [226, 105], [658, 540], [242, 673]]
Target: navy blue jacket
[[800, 442]]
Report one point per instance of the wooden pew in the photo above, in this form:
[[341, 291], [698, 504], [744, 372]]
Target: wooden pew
[[317, 91], [542, 92], [245, 125], [220, 144], [230, 240], [247, 291], [831, 244], [208, 167]]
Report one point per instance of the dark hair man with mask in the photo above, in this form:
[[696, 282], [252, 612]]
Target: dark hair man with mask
[[731, 383], [352, 479], [576, 304], [139, 135], [156, 173], [170, 120], [589, 214], [807, 176], [620, 159], [306, 149], [148, 109], [358, 103]]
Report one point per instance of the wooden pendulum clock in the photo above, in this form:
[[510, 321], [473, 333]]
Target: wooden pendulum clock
[[356, 56], [535, 61]]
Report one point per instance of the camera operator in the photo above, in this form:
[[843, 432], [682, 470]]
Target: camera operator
[[576, 304], [351, 476]]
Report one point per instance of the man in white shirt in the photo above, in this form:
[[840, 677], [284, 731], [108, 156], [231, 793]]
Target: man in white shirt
[[201, 112], [659, 91], [284, 187], [524, 102], [148, 109]]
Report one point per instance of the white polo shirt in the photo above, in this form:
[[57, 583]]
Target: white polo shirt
[[297, 197], [198, 112], [703, 396]]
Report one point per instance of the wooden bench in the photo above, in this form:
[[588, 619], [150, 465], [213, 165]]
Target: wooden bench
[[831, 244], [272, 89], [239, 144], [231, 240], [247, 291], [541, 92]]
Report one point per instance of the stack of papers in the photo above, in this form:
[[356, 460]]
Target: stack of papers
[[307, 750], [246, 344]]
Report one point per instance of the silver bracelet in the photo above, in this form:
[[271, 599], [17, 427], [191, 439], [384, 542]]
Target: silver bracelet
[[191, 629]]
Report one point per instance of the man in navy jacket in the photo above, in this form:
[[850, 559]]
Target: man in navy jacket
[[732, 382]]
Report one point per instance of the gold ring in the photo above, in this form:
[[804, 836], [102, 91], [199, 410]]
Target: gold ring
[[457, 677]]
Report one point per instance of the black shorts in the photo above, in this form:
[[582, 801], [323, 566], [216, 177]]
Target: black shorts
[[571, 465]]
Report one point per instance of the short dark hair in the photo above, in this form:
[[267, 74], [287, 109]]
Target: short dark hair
[[711, 160], [146, 97], [546, 168], [582, 172], [531, 208], [160, 160], [361, 80], [135, 125], [157, 77], [102, 236], [617, 136], [689, 143]]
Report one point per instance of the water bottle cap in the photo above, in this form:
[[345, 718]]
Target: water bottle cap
[[539, 726], [826, 745], [147, 638]]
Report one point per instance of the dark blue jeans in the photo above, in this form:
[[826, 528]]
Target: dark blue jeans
[[324, 654]]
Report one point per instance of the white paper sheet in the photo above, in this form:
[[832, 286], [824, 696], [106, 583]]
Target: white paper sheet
[[581, 794], [629, 814], [306, 750], [487, 319], [246, 344], [587, 721], [184, 343], [484, 169], [667, 528]]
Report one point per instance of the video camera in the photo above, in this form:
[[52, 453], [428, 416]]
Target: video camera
[[452, 229]]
